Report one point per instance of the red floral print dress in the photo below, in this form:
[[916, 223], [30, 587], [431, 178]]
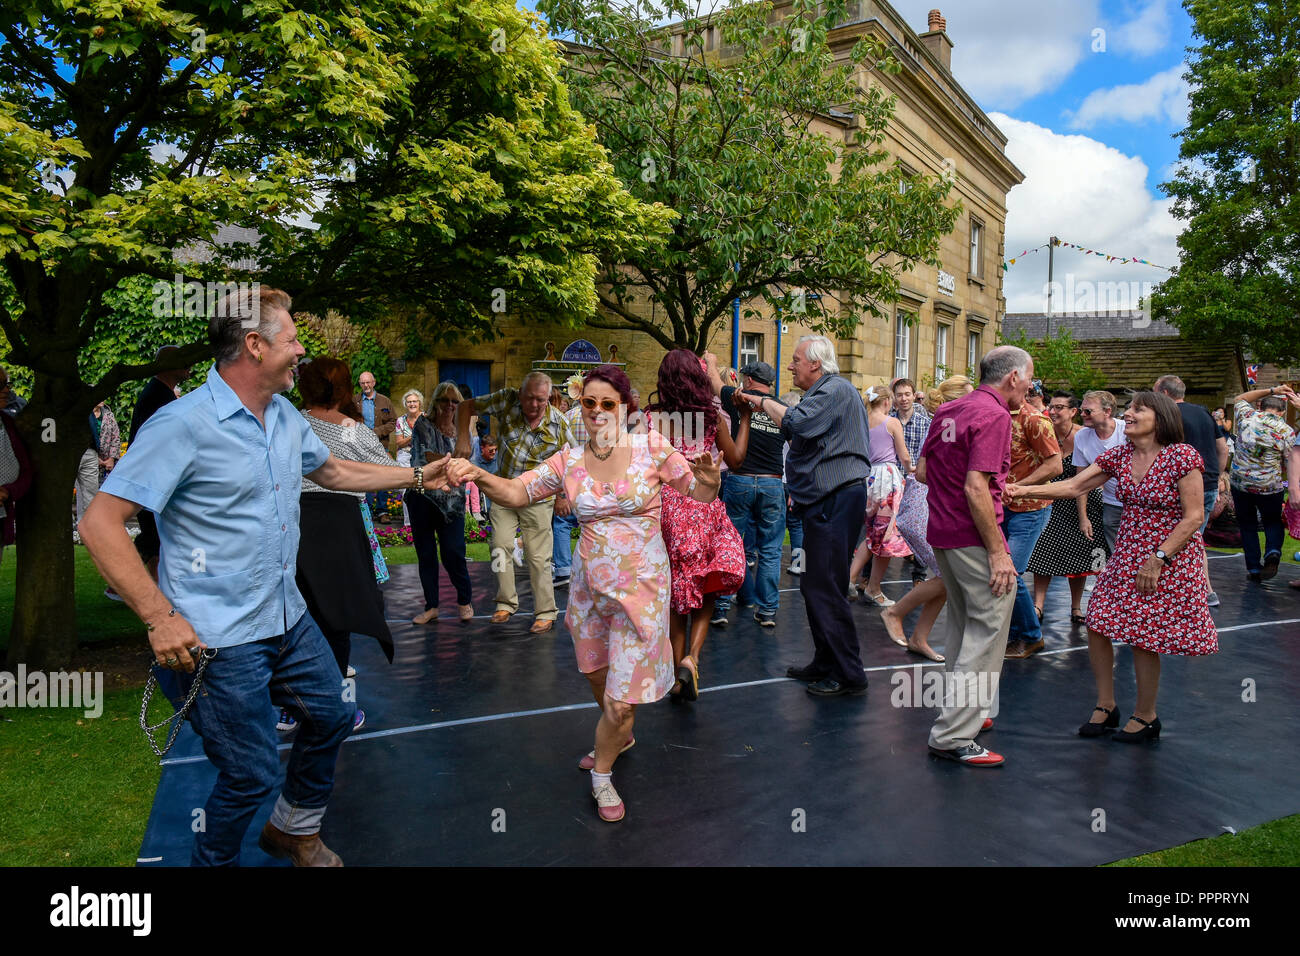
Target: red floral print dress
[[1173, 619]]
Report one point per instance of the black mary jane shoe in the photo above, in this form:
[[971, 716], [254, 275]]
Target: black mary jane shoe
[[1077, 617], [1099, 729], [1149, 731]]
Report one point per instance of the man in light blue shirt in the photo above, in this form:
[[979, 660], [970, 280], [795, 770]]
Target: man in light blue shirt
[[222, 470]]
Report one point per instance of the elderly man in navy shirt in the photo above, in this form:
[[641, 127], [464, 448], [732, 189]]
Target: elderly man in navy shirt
[[222, 470], [826, 471]]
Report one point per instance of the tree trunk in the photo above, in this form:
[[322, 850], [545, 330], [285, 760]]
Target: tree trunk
[[43, 634]]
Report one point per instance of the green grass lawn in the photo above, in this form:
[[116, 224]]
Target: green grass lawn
[[77, 791]]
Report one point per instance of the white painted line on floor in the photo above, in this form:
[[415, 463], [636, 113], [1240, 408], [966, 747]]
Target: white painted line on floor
[[591, 705]]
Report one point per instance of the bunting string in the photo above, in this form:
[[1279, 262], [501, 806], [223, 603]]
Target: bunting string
[[1121, 260]]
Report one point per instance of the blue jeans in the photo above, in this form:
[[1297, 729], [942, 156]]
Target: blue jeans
[[234, 714], [795, 524], [562, 546], [1023, 529], [757, 506], [1255, 510]]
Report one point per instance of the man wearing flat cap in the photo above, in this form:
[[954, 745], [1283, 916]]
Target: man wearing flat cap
[[754, 495]]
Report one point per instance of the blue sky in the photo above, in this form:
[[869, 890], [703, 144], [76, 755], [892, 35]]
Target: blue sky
[[1089, 93]]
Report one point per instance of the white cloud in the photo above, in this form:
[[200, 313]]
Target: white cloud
[[1009, 51], [1162, 97], [1085, 192], [1146, 33]]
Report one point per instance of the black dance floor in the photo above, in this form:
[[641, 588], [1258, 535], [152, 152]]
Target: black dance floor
[[468, 755]]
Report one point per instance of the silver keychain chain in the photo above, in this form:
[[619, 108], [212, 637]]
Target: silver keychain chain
[[151, 684]]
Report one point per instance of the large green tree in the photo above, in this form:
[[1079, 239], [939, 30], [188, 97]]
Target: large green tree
[[431, 141], [726, 134], [1238, 182]]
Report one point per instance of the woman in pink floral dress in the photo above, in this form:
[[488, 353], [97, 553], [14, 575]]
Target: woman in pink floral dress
[[618, 595], [1152, 594], [704, 548]]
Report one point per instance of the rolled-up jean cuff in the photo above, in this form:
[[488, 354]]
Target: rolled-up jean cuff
[[296, 821]]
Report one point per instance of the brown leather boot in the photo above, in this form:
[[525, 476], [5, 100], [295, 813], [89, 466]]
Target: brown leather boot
[[302, 850]]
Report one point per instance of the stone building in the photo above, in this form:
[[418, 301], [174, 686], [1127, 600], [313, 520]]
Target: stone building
[[945, 319]]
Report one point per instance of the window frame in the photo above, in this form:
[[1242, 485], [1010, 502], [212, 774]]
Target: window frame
[[756, 354], [975, 258], [942, 338], [909, 333]]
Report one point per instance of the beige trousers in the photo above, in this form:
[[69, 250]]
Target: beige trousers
[[535, 523], [975, 645]]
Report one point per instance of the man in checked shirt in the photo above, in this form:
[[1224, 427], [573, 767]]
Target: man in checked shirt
[[530, 429]]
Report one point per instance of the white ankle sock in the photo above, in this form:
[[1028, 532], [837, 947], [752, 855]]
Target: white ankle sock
[[599, 780]]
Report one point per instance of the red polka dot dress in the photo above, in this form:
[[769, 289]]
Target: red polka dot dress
[[1173, 619]]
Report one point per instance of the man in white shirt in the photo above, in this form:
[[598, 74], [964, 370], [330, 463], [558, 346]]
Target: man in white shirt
[[1101, 431]]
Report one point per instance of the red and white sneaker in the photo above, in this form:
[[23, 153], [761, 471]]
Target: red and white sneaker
[[987, 725], [589, 762], [608, 803], [972, 755]]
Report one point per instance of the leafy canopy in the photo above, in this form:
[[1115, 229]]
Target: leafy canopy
[[1238, 182]]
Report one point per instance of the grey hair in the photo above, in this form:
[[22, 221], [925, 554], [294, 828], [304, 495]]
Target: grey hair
[[1001, 362], [417, 393], [535, 376], [821, 349], [1171, 385], [1273, 403], [239, 311]]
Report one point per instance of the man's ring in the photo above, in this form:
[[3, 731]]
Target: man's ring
[[195, 651], [173, 660]]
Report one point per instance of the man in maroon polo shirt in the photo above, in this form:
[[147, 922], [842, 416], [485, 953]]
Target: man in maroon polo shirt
[[964, 464]]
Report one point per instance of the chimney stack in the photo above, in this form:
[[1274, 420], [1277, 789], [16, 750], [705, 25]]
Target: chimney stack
[[936, 40]]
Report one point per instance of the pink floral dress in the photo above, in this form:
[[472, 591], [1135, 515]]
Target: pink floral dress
[[1174, 619], [618, 594], [704, 548]]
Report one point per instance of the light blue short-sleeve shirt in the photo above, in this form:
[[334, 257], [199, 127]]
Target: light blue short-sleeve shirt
[[225, 492]]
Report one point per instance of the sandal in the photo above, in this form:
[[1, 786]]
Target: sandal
[[879, 600], [1076, 617], [1039, 612], [541, 627], [690, 678]]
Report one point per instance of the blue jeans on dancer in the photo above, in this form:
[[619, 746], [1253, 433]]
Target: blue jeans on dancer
[[1023, 529], [795, 526], [756, 506], [562, 545], [243, 687]]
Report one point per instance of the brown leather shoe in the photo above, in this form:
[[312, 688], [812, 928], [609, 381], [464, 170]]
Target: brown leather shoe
[[541, 626], [500, 617], [1019, 650], [302, 850]]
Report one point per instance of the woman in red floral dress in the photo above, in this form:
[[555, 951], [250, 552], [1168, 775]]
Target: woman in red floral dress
[[704, 548], [1152, 595]]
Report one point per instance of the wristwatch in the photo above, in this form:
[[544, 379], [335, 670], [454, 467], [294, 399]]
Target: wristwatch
[[1162, 556]]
